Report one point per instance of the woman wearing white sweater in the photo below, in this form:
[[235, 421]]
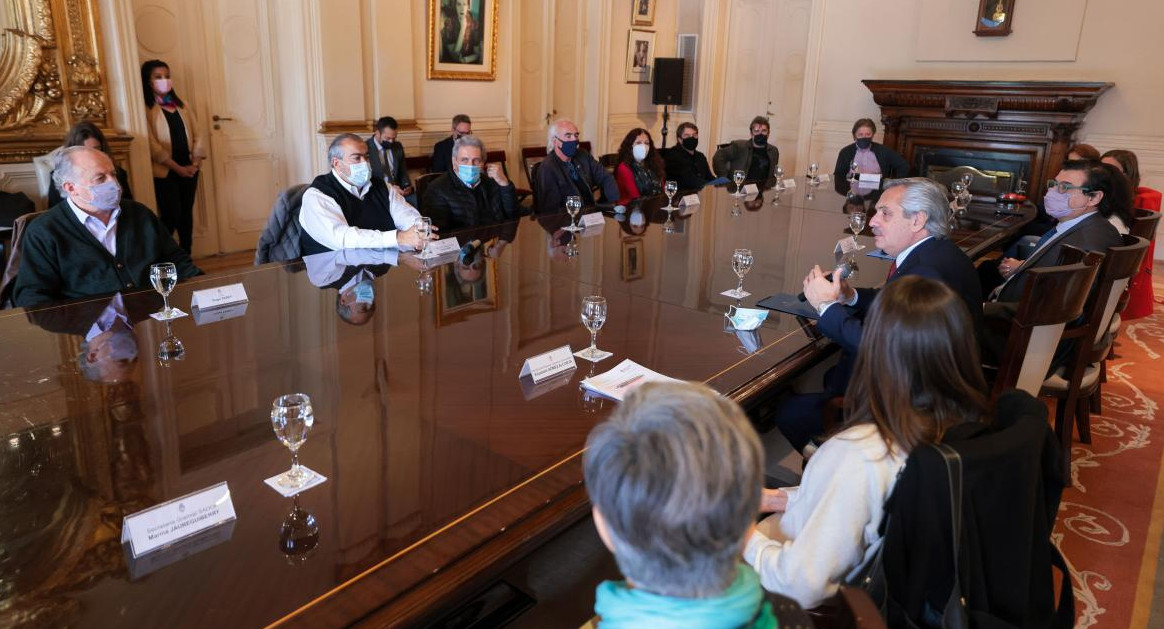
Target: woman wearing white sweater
[[917, 374]]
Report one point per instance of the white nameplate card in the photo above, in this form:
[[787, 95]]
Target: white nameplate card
[[177, 519], [531, 389], [547, 365], [202, 317], [441, 247], [845, 246], [218, 297], [790, 182], [825, 177], [870, 178], [689, 200], [593, 219], [751, 188]]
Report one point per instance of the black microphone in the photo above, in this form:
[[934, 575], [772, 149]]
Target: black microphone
[[844, 268], [470, 251]]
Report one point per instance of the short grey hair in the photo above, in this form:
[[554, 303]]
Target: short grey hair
[[676, 473], [467, 140], [552, 133], [335, 150], [65, 168], [929, 196]]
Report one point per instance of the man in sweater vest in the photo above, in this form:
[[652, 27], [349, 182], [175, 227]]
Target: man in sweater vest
[[349, 209], [94, 242]]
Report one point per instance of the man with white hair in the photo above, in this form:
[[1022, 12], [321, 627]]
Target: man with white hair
[[569, 171], [94, 242]]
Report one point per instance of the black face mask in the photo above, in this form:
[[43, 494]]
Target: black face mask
[[759, 139], [690, 143], [864, 143], [388, 144]]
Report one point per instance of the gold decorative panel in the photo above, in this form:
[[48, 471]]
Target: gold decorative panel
[[50, 75]]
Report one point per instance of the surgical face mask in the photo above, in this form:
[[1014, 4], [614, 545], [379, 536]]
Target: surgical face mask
[[864, 143], [364, 293], [640, 151], [637, 219], [569, 148], [1057, 204], [163, 86], [760, 139], [469, 174], [690, 143], [359, 174], [104, 196], [746, 318]]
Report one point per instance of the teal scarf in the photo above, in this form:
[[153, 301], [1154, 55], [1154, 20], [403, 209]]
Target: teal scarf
[[741, 606]]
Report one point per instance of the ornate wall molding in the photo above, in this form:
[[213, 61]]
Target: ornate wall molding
[[57, 79]]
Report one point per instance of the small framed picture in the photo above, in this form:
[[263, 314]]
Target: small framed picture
[[994, 18], [632, 259], [462, 39], [640, 55], [643, 12]]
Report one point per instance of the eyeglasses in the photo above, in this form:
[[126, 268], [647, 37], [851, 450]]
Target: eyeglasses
[[1063, 187]]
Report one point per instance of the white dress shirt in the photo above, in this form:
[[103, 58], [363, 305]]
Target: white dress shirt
[[323, 219], [325, 268], [113, 313], [105, 233]]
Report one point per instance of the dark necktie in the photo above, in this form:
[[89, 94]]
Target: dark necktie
[[892, 270], [580, 184]]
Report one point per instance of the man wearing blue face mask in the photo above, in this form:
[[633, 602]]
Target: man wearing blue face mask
[[94, 242], [569, 171], [473, 194], [348, 208]]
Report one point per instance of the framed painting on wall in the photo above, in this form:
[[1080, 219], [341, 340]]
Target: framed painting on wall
[[643, 12], [640, 54], [462, 39], [994, 18]]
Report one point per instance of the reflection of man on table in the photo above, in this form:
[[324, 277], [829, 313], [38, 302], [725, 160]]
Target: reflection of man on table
[[461, 35], [109, 349], [351, 272]]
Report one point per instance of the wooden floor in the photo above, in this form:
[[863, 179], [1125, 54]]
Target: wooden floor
[[226, 261]]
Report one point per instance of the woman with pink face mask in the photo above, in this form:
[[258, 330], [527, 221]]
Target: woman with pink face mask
[[176, 150]]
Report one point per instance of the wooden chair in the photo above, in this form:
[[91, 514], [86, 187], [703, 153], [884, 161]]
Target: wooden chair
[[1052, 297], [609, 161], [533, 178], [418, 164], [422, 182], [1144, 224], [8, 280], [499, 157], [1076, 385]]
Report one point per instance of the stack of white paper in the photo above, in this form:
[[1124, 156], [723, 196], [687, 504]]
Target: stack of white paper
[[618, 382]]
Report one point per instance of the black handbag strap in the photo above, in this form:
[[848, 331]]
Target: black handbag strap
[[954, 615]]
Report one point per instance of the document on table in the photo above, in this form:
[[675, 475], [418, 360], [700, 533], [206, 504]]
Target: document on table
[[618, 382]]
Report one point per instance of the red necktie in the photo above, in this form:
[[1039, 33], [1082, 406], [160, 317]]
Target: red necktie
[[892, 270]]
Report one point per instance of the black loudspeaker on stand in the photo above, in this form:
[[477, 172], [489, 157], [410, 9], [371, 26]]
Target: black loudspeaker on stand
[[667, 87]]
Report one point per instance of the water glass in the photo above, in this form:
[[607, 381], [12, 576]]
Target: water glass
[[670, 188], [738, 179], [854, 171], [779, 174], [856, 223], [164, 277], [574, 208], [741, 264], [593, 316], [170, 349], [424, 231], [292, 418], [814, 174]]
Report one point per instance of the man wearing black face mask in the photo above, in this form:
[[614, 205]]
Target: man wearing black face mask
[[569, 171], [386, 157], [684, 164], [442, 152], [871, 158], [754, 156]]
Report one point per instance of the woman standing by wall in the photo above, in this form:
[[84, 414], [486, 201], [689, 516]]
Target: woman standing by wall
[[175, 148]]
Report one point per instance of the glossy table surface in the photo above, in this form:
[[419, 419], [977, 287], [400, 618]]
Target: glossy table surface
[[433, 447]]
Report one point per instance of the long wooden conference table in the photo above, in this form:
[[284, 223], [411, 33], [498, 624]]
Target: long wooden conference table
[[443, 466]]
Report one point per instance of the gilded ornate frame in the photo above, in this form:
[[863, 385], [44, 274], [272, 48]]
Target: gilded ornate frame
[[458, 71]]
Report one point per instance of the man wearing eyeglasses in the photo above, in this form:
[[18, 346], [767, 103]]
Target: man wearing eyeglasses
[[569, 171], [1080, 198]]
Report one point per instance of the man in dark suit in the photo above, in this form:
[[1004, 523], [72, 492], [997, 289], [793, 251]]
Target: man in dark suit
[[569, 171], [94, 242], [912, 224], [754, 156], [474, 194], [685, 165], [871, 158], [386, 157], [442, 152]]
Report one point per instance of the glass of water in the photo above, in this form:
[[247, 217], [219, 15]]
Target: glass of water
[[814, 174], [424, 231], [574, 208], [779, 173], [738, 179], [741, 264], [593, 316], [292, 418], [170, 349], [854, 171], [670, 188], [164, 277], [857, 225], [967, 179]]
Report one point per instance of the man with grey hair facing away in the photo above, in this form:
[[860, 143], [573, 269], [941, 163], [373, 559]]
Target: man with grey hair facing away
[[94, 242], [675, 476], [912, 224], [569, 171], [348, 208]]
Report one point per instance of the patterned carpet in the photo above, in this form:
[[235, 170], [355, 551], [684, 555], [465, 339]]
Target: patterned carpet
[[1112, 520]]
